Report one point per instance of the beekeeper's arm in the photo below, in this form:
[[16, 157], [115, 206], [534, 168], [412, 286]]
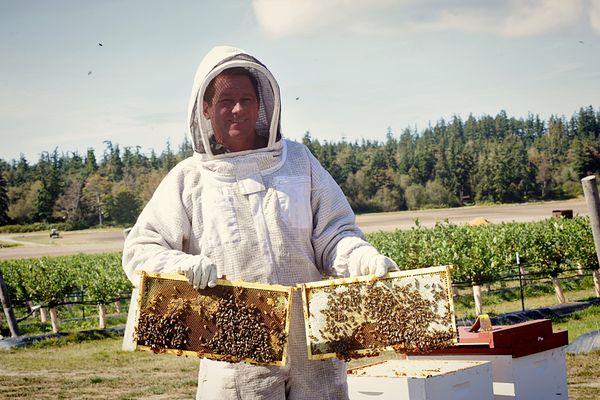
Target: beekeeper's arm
[[340, 248], [156, 242]]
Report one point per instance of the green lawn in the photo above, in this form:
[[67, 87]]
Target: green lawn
[[100, 370], [95, 370], [73, 367]]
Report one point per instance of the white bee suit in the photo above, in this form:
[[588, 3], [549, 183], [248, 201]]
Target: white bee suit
[[271, 215]]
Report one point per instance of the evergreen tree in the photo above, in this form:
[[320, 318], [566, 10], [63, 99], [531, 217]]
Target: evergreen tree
[[3, 201], [168, 158], [50, 176], [185, 149], [22, 171], [90, 162]]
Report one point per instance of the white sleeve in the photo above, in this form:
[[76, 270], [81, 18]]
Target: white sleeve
[[156, 243], [335, 233]]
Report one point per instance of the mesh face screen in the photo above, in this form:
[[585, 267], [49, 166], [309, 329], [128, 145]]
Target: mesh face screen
[[411, 311], [256, 109], [230, 323]]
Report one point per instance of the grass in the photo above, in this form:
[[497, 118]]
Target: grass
[[76, 367], [579, 322], [95, 370], [508, 299], [100, 370], [5, 245], [583, 377]]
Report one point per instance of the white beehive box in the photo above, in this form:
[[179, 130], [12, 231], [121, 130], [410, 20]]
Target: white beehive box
[[421, 380], [537, 376]]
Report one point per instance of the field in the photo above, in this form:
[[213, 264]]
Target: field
[[75, 368], [95, 370], [37, 244], [98, 369]]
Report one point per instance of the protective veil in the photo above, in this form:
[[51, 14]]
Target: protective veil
[[271, 215]]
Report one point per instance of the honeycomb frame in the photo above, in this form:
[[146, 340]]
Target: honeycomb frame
[[277, 311], [315, 336]]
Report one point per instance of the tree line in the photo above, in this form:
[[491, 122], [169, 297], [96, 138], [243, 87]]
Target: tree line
[[452, 163], [487, 159]]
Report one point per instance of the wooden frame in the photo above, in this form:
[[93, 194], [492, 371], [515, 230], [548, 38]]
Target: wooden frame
[[441, 270], [222, 282]]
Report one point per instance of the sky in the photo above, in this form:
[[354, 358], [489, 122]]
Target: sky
[[346, 69]]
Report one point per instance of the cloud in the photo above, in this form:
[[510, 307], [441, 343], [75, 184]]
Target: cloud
[[292, 17], [514, 18], [594, 13]]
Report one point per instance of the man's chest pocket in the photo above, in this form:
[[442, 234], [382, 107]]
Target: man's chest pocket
[[293, 195], [221, 224]]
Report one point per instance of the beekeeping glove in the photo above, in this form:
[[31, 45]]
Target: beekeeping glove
[[367, 260], [200, 274]]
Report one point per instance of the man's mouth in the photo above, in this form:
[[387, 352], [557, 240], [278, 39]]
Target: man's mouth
[[238, 121]]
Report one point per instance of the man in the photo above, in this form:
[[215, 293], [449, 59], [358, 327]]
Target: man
[[252, 206]]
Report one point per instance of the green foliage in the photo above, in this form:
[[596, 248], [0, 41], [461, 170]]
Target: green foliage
[[123, 206], [454, 162], [49, 280], [483, 254], [3, 201], [102, 278], [50, 177]]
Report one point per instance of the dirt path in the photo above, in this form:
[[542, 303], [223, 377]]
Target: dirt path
[[495, 213], [38, 244]]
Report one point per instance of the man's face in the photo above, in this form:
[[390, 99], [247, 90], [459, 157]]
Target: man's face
[[233, 112]]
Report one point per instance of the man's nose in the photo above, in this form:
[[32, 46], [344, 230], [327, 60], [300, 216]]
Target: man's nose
[[237, 107]]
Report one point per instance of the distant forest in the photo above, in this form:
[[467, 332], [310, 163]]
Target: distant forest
[[455, 162]]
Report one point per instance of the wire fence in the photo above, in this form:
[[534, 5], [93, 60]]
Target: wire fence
[[526, 275]]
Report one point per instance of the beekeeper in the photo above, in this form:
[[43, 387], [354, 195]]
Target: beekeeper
[[252, 206]]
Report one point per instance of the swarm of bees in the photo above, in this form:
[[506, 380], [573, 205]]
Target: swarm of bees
[[241, 333], [229, 323], [161, 331], [363, 317]]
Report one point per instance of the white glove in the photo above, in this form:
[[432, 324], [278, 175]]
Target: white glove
[[201, 274], [366, 260]]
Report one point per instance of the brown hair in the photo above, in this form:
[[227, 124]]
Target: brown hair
[[209, 93]]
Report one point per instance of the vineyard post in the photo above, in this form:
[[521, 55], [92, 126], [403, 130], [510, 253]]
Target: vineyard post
[[102, 315], [521, 273], [54, 320], [43, 315], [8, 311], [477, 299], [590, 190]]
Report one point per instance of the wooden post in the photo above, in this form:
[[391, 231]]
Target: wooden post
[[560, 296], [43, 316], [590, 190], [54, 319], [118, 306], [8, 311], [477, 298], [101, 316], [596, 275]]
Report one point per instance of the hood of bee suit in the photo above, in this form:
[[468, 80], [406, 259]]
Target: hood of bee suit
[[216, 61]]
